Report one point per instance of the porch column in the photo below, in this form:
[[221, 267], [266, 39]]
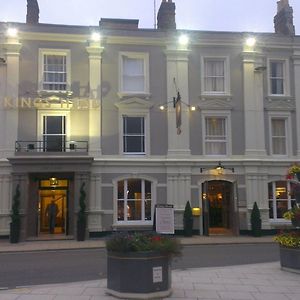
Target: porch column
[[95, 108]]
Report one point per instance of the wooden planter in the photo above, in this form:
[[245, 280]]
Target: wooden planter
[[138, 275], [290, 259]]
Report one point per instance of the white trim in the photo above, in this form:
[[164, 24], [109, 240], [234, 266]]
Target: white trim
[[115, 181], [226, 61], [286, 76], [218, 114], [288, 132], [42, 113], [47, 51], [136, 113], [134, 55]]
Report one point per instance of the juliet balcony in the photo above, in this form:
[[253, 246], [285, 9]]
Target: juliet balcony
[[51, 146]]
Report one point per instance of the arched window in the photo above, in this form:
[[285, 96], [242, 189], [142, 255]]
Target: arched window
[[281, 198], [134, 203]]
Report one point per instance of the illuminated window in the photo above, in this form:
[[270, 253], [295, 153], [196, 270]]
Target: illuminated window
[[281, 198], [134, 201]]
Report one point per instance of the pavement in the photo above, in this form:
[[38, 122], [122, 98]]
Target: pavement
[[262, 281]]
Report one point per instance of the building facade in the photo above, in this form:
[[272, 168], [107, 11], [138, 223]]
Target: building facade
[[145, 117]]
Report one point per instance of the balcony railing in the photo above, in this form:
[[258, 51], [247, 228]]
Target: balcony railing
[[51, 146]]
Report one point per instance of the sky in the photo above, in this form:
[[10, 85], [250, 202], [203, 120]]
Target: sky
[[219, 15]]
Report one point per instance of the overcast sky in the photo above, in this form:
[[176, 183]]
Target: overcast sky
[[222, 15]]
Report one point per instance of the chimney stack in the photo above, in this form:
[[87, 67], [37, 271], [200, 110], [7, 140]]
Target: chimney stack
[[283, 21], [33, 12], [166, 15]]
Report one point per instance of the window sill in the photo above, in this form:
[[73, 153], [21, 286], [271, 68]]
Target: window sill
[[59, 94], [271, 98], [209, 96], [141, 95]]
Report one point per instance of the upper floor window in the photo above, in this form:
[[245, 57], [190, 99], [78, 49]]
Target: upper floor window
[[278, 77], [134, 203], [133, 134], [281, 198], [279, 136], [215, 75], [54, 70], [216, 136], [134, 73]]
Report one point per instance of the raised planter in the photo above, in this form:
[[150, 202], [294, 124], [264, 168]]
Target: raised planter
[[290, 259], [138, 275]]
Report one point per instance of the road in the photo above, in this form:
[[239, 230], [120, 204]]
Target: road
[[32, 268]]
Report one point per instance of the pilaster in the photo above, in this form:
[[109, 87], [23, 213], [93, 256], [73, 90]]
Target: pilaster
[[253, 103], [95, 112], [9, 117], [177, 72]]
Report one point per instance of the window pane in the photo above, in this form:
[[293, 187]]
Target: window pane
[[121, 189], [134, 135], [134, 210], [134, 189], [135, 144], [148, 210], [133, 74], [120, 210], [277, 78], [214, 76], [281, 190], [271, 214], [133, 125], [281, 208]]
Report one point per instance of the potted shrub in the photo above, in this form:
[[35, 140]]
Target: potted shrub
[[15, 225], [294, 170], [138, 264], [255, 221], [289, 248], [188, 220], [81, 216]]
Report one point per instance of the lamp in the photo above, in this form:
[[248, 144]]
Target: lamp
[[53, 181]]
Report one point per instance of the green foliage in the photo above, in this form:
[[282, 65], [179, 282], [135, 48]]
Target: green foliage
[[255, 221], [82, 205], [143, 241], [15, 211], [188, 220], [289, 239]]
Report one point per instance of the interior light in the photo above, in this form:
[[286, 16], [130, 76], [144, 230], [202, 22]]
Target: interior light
[[251, 41], [183, 40], [12, 32], [95, 36]]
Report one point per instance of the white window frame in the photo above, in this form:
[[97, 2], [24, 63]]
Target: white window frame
[[115, 201], [63, 52], [217, 114], [134, 55], [286, 77], [288, 200], [226, 61], [135, 113], [288, 134], [60, 113]]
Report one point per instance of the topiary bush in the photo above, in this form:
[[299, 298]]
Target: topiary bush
[[15, 225], [81, 216], [188, 220], [255, 221]]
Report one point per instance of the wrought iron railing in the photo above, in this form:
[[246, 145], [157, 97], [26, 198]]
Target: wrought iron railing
[[51, 146]]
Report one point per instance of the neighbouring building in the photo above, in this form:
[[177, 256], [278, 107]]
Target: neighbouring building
[[145, 117]]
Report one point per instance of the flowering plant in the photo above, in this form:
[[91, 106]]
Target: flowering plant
[[289, 240], [143, 241], [293, 213], [295, 168]]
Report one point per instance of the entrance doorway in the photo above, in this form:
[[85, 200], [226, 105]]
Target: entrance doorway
[[218, 207], [53, 206]]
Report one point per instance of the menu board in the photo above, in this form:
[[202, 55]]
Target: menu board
[[164, 218]]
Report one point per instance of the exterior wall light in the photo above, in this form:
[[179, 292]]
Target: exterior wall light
[[193, 108], [162, 107], [183, 40], [250, 42], [12, 32], [95, 36]]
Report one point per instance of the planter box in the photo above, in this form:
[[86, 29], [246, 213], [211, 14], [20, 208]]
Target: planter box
[[14, 234], [290, 259], [138, 275]]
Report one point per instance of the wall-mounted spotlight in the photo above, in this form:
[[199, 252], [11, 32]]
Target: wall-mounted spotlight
[[251, 41], [12, 32], [183, 40], [95, 36]]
